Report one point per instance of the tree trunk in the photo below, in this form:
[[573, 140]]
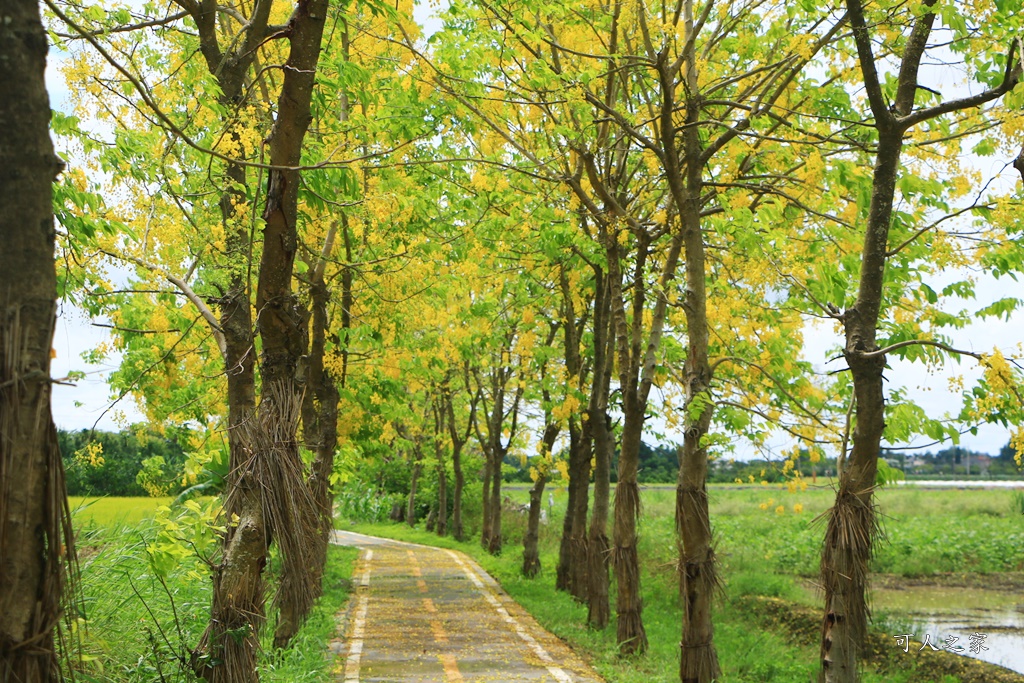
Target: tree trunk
[[35, 529], [460, 483], [459, 440], [325, 390], [487, 517], [442, 492], [410, 505], [630, 633], [495, 541], [598, 608], [293, 517], [698, 662], [851, 531], [531, 554], [852, 527], [563, 573], [580, 475]]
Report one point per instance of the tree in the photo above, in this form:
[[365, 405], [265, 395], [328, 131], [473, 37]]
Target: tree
[[894, 111], [36, 541]]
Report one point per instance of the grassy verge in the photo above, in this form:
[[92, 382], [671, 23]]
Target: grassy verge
[[764, 553], [138, 627]]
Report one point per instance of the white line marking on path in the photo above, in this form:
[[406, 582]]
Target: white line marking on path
[[355, 650], [537, 648]]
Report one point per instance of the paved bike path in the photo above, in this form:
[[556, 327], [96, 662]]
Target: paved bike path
[[426, 615]]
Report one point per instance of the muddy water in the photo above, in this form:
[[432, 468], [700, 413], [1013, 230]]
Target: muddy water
[[941, 612]]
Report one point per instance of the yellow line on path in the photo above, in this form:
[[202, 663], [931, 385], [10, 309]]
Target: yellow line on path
[[451, 669], [415, 565], [537, 648], [439, 635]]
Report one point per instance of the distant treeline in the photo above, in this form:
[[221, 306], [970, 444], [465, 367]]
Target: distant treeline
[[660, 464], [110, 463], [125, 464]]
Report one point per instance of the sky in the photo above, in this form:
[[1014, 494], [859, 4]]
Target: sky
[[88, 402], [84, 403]]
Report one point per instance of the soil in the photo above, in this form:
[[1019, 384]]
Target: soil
[[1002, 581], [880, 652]]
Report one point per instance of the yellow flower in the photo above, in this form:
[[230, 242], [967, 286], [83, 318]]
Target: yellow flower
[[798, 508], [779, 510]]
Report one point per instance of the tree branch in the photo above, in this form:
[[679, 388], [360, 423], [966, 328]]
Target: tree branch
[[920, 342], [1011, 77], [862, 38], [204, 310]]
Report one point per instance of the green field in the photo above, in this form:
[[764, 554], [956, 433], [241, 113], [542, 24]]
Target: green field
[[113, 511], [138, 627], [765, 553]]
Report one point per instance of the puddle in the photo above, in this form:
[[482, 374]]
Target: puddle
[[988, 624]]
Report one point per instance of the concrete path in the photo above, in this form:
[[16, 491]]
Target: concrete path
[[422, 614]]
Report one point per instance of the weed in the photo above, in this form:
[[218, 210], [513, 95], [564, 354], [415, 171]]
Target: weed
[[1017, 503], [139, 627]]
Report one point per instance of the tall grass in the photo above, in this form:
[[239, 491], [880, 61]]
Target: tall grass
[[139, 628]]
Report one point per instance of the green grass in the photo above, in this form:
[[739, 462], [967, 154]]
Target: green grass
[[762, 553], [138, 629], [925, 531]]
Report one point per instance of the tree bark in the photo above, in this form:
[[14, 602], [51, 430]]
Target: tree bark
[[458, 531], [494, 542], [571, 572], [630, 632], [486, 516], [410, 505], [531, 552], [852, 527], [36, 543], [324, 388], [238, 594], [598, 549], [579, 473], [293, 515], [598, 607], [495, 449], [442, 474], [698, 662], [563, 573]]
